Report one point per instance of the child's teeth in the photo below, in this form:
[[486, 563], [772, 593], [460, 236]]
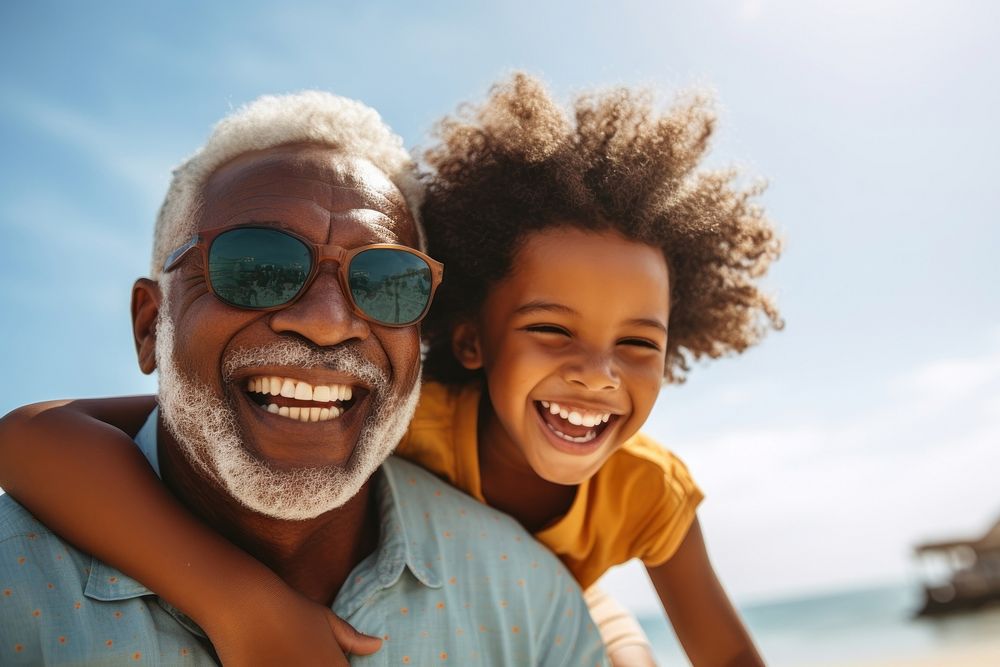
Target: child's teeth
[[581, 440], [577, 417]]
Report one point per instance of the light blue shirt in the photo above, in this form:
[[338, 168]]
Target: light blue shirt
[[451, 582]]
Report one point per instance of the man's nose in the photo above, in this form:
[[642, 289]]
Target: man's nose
[[593, 371], [324, 315]]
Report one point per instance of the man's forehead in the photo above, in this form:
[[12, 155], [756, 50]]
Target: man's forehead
[[306, 176]]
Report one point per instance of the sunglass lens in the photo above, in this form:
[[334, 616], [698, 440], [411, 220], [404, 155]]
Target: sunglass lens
[[257, 268], [390, 286]]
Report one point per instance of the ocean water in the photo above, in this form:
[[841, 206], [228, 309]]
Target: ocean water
[[858, 627]]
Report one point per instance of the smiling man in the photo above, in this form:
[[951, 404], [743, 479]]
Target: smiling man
[[315, 377], [282, 316]]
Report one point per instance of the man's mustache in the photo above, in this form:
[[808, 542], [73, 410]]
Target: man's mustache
[[298, 354]]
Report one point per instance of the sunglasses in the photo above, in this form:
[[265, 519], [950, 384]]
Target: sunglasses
[[265, 268]]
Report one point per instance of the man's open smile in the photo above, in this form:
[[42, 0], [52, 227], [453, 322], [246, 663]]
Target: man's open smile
[[281, 397], [300, 400]]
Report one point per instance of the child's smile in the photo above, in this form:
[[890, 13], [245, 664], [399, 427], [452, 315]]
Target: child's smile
[[573, 344], [580, 432], [572, 423]]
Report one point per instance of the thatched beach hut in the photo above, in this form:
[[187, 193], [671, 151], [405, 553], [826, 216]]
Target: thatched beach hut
[[961, 574]]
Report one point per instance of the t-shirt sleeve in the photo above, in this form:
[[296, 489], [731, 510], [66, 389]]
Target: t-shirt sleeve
[[669, 506]]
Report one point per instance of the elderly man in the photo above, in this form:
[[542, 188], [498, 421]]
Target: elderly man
[[287, 375]]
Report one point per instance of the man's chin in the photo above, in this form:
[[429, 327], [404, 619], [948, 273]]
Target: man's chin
[[305, 492], [273, 486]]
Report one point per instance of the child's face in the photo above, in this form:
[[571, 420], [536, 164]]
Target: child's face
[[573, 345]]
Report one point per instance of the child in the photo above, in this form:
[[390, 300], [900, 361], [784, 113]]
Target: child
[[587, 260]]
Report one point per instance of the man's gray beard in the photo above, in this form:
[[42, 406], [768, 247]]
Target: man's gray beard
[[208, 430]]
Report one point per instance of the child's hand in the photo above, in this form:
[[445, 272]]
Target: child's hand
[[288, 629], [349, 638]]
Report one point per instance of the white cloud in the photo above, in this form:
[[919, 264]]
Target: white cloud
[[806, 507], [53, 221], [943, 383], [133, 162], [750, 10]]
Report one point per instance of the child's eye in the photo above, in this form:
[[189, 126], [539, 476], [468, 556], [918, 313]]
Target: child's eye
[[546, 329], [640, 342]]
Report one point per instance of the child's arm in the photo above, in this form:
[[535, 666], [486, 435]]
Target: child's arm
[[87, 480], [704, 619], [624, 640]]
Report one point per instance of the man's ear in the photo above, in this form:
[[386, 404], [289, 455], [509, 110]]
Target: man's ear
[[465, 345], [146, 300]]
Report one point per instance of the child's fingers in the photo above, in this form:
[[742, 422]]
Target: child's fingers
[[350, 639]]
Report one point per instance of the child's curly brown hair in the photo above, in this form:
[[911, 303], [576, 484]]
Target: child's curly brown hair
[[517, 165]]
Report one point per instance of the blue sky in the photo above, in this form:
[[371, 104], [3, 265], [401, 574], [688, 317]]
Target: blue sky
[[871, 422]]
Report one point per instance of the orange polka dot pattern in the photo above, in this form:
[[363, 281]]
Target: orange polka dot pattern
[[452, 582]]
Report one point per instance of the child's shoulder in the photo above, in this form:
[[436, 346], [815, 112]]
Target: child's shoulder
[[439, 403], [643, 451], [640, 504], [651, 465]]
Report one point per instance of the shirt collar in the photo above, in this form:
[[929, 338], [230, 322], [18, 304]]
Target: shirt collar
[[401, 541], [403, 544], [404, 523]]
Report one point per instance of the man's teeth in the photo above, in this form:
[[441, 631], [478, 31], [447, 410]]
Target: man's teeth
[[299, 389], [577, 416], [313, 414], [302, 391]]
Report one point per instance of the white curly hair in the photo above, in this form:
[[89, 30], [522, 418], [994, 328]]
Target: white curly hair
[[310, 116]]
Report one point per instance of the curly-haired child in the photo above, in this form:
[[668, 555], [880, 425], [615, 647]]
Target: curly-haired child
[[588, 260]]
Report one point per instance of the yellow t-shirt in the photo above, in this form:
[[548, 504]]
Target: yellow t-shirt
[[640, 504]]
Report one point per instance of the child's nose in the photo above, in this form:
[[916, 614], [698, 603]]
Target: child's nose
[[595, 372]]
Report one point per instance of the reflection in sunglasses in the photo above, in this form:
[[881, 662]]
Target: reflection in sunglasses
[[264, 268]]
